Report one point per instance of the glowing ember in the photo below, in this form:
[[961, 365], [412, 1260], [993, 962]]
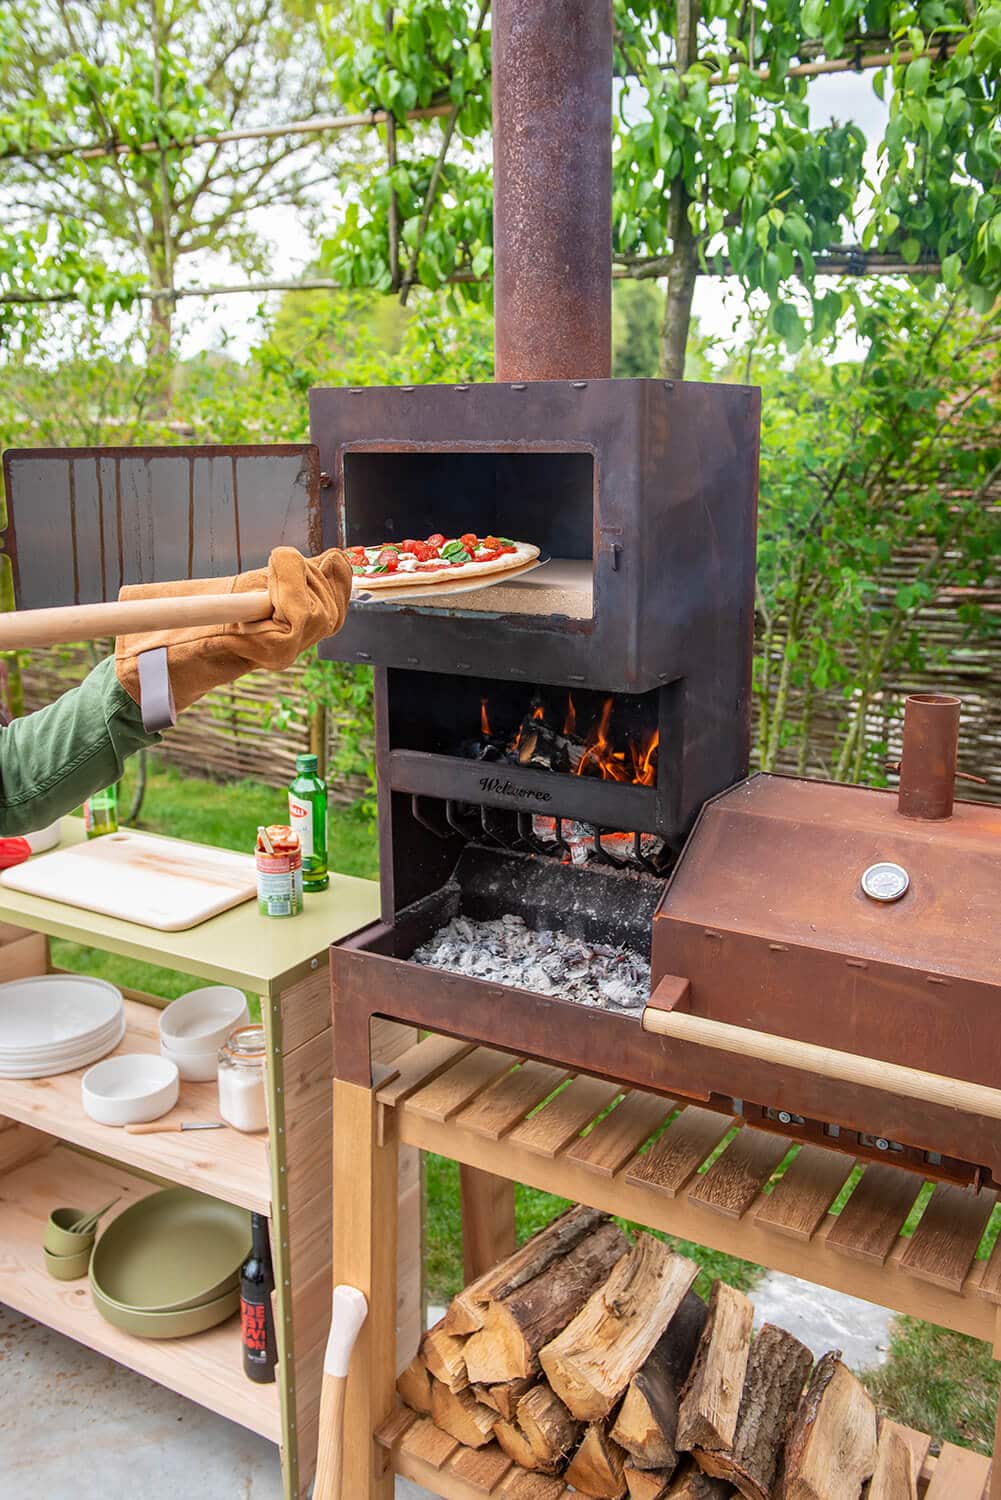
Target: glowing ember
[[570, 722], [485, 729]]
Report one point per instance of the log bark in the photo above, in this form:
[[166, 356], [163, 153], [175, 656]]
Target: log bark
[[832, 1446], [414, 1385], [443, 1356], [504, 1398], [467, 1310], [691, 1484], [590, 1364], [507, 1346], [710, 1400], [549, 1428], [647, 1423], [598, 1466], [460, 1415], [895, 1476], [646, 1484], [777, 1371]]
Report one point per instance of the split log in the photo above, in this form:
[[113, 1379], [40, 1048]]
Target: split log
[[443, 1356], [691, 1484], [895, 1476], [646, 1484], [710, 1400], [647, 1423], [467, 1310], [504, 1398], [460, 1415], [548, 1427], [507, 1346], [515, 1444], [414, 1385], [592, 1361], [776, 1374], [598, 1466], [832, 1446]]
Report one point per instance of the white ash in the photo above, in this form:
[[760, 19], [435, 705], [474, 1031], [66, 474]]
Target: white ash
[[506, 951]]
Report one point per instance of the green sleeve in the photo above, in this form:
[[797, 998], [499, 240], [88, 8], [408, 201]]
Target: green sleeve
[[51, 760]]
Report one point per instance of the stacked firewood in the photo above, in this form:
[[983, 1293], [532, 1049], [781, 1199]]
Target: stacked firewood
[[588, 1356]]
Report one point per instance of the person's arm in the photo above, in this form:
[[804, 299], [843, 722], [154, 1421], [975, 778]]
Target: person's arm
[[51, 760]]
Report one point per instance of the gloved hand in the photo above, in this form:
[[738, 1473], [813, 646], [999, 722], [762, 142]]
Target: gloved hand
[[309, 598]]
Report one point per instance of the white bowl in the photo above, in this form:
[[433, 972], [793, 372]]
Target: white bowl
[[45, 838], [201, 1020], [194, 1067], [130, 1089]]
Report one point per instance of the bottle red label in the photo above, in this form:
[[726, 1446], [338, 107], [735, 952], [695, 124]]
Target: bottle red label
[[253, 1327]]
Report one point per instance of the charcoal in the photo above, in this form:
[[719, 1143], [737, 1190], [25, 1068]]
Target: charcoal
[[506, 951]]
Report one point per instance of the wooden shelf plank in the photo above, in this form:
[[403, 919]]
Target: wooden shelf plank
[[225, 1163], [945, 1242], [958, 1475], [424, 1441], [206, 1368], [500, 1107], [419, 1065], [797, 1205], [871, 1220], [990, 1282], [673, 1161], [452, 1090], [737, 1176], [561, 1122], [621, 1133]]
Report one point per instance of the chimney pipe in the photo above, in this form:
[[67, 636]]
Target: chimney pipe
[[552, 133], [928, 760]]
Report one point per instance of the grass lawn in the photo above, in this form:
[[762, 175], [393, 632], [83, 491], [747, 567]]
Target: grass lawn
[[941, 1382]]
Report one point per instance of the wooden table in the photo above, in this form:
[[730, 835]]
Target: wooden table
[[286, 1174]]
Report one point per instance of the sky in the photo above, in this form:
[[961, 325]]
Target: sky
[[718, 303]]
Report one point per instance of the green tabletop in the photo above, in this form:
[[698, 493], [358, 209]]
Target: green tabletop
[[240, 947]]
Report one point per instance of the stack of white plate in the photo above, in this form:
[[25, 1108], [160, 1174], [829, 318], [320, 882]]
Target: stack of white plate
[[56, 1023]]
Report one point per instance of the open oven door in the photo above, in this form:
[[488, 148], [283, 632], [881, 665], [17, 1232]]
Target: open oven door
[[81, 522]]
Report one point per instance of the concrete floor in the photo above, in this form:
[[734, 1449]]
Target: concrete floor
[[76, 1426]]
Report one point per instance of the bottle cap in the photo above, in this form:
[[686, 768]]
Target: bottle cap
[[307, 763]]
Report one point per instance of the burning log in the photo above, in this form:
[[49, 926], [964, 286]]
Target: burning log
[[647, 1423], [710, 1401], [590, 1364], [414, 1385], [467, 1310], [460, 1415], [776, 1373], [832, 1446], [598, 1466], [515, 1329]]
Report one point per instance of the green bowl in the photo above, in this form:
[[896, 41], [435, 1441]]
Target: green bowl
[[173, 1251], [67, 1267], [60, 1239], [178, 1324]]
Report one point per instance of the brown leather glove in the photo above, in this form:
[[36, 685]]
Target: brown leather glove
[[309, 597]]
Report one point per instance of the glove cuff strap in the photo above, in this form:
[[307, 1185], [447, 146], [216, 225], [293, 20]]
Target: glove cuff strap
[[156, 698]]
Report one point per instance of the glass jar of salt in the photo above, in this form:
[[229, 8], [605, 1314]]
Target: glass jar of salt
[[242, 1092]]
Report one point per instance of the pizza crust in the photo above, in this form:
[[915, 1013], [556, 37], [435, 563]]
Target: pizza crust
[[525, 553]]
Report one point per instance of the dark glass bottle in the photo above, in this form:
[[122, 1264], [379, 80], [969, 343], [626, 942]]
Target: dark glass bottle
[[257, 1326]]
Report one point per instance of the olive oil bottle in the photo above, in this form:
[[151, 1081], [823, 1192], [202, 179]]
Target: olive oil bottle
[[307, 815], [100, 813]]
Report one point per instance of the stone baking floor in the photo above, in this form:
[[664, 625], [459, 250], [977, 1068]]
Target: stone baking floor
[[76, 1426]]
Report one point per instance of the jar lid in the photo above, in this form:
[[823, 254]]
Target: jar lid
[[246, 1044], [307, 762]]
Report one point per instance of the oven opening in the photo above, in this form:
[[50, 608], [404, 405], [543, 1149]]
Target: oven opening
[[543, 497]]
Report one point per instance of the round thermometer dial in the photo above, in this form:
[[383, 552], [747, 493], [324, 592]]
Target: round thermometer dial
[[885, 881]]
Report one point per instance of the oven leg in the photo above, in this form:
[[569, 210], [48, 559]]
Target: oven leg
[[364, 1255], [487, 1220]]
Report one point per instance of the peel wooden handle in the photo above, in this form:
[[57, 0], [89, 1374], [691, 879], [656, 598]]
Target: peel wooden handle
[[153, 1127], [348, 1313], [27, 628], [826, 1062]]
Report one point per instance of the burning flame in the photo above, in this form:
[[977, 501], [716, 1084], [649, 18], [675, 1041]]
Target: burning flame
[[538, 712], [485, 729], [636, 765], [570, 722]]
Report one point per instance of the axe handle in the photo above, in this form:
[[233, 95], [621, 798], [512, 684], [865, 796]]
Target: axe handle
[[27, 628]]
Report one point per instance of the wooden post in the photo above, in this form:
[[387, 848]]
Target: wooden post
[[994, 1483], [365, 1187], [487, 1220]]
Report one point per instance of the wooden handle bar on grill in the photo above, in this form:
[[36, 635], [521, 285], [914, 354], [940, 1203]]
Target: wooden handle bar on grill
[[25, 628], [826, 1062]]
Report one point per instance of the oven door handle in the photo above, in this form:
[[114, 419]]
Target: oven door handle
[[825, 1062]]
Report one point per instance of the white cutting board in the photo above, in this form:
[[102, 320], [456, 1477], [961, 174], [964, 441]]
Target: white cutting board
[[163, 883]]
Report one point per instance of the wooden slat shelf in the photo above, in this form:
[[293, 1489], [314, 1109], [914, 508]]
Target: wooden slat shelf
[[206, 1368], [420, 1451], [226, 1163], [478, 1110]]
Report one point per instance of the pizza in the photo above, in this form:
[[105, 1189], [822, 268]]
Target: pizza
[[439, 559]]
